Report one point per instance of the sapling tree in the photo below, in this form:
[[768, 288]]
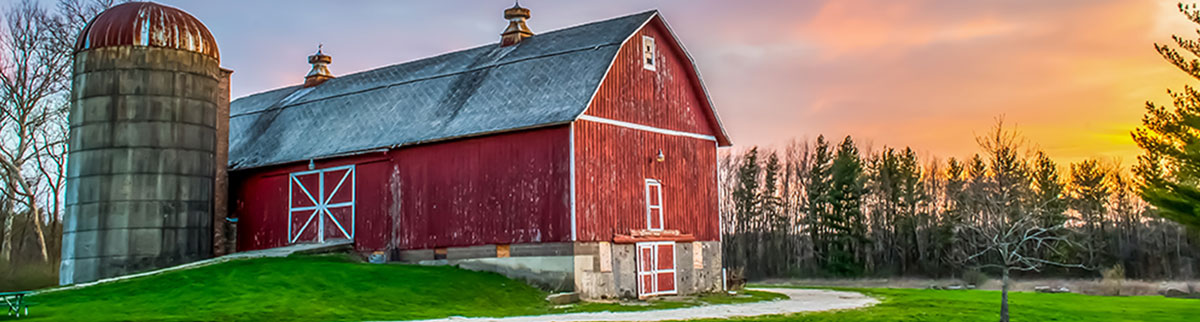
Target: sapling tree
[[1021, 245]]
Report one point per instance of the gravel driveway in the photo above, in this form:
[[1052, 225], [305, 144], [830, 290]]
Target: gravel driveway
[[801, 300]]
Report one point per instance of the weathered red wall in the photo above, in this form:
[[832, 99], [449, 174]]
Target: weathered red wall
[[259, 201], [612, 165], [612, 162], [505, 188], [666, 97]]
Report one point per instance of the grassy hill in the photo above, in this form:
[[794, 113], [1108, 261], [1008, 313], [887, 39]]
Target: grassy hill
[[314, 288]]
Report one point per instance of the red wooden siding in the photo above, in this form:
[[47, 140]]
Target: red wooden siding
[[508, 188], [505, 188], [260, 202], [612, 163], [665, 97]]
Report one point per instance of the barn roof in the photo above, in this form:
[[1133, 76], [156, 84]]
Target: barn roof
[[544, 80]]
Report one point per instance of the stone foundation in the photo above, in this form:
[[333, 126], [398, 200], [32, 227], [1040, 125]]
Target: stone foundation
[[612, 273]]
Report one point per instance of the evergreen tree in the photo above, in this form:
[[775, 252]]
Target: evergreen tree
[[746, 204], [1048, 203], [885, 208], [1169, 169], [1089, 193], [912, 197], [769, 217], [846, 216], [819, 204], [1008, 187], [954, 211]]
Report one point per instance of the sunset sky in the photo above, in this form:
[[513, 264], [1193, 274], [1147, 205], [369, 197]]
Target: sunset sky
[[1071, 75]]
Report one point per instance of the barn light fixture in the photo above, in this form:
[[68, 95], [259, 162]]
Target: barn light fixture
[[660, 157], [311, 165]]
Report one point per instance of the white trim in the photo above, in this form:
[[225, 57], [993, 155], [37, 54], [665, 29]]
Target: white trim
[[720, 192], [650, 207], [321, 203], [571, 136], [654, 270], [646, 128], [649, 57]]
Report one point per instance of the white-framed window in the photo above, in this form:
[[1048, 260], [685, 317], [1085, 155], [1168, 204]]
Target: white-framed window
[[656, 268], [321, 204], [648, 50], [654, 205]]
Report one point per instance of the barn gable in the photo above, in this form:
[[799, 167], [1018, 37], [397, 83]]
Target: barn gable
[[671, 96], [642, 111]]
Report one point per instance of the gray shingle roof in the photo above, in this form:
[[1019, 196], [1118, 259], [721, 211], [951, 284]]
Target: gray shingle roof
[[543, 80]]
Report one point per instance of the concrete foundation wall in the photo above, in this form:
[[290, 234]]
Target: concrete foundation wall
[[546, 265], [139, 192], [553, 273]]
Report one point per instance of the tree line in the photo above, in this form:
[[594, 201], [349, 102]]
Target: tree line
[[822, 208]]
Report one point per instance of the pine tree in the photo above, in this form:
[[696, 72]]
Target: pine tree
[[1169, 169], [817, 195], [1048, 200], [955, 211], [846, 216], [768, 247], [1089, 193], [912, 198], [746, 204]]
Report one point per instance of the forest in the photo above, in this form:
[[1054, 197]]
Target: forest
[[838, 209]]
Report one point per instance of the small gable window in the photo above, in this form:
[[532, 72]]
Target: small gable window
[[648, 58]]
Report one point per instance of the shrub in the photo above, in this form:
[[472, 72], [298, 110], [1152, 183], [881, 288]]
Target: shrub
[[736, 280], [1113, 278], [975, 277]]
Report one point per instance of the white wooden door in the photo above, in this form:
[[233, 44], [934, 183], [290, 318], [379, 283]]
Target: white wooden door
[[321, 205], [656, 268]]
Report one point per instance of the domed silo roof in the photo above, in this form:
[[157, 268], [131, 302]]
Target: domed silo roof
[[147, 24]]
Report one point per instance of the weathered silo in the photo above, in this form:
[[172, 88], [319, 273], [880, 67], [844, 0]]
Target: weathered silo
[[143, 136]]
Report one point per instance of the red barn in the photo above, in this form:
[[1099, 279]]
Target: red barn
[[581, 158]]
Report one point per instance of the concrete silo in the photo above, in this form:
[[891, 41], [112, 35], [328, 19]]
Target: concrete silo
[[145, 130]]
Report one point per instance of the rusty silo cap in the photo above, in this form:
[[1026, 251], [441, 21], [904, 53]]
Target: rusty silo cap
[[147, 24]]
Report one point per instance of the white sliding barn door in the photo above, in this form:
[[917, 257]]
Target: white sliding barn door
[[321, 205]]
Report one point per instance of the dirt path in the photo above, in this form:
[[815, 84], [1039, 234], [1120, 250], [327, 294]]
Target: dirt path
[[801, 300]]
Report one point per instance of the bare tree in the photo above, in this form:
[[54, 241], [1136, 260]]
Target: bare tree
[[31, 75], [36, 52], [1015, 246]]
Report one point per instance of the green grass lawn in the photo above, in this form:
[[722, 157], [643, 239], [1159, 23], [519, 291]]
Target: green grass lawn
[[316, 288], [942, 306]]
